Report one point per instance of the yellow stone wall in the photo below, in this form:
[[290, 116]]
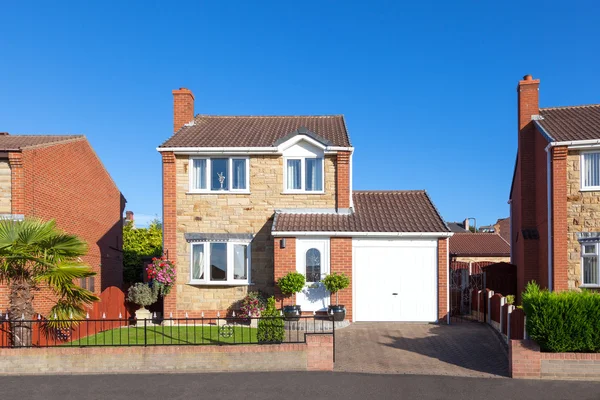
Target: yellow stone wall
[[5, 191], [481, 259], [238, 213]]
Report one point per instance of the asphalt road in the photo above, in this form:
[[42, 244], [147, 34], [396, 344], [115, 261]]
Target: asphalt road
[[287, 385]]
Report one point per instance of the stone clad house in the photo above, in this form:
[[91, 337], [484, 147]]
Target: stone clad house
[[555, 194], [247, 199], [60, 177]]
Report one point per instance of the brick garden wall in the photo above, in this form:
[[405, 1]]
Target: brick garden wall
[[527, 362], [443, 271], [314, 355]]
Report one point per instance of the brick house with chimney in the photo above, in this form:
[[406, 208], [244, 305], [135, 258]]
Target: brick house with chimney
[[60, 177], [247, 199], [555, 193]]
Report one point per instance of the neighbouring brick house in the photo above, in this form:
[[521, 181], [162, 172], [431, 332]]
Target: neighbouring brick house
[[62, 178], [555, 194], [248, 199]]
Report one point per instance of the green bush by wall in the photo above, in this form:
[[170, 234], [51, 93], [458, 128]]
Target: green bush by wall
[[562, 322], [271, 326]]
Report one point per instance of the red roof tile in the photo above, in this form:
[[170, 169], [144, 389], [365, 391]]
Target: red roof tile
[[256, 131], [374, 211], [571, 123], [19, 142], [479, 245]]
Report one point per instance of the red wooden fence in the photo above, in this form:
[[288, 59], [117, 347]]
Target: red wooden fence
[[495, 307], [504, 312], [517, 324]]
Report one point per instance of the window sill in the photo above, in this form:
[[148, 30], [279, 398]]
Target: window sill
[[222, 283], [303, 192], [219, 192], [590, 189], [589, 286]]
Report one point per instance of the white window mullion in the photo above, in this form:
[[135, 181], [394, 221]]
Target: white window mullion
[[230, 174], [229, 262], [207, 261], [302, 174], [208, 174]]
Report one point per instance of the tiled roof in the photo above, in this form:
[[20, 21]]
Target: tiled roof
[[18, 142], [479, 244], [256, 131], [374, 211], [457, 227], [571, 123]]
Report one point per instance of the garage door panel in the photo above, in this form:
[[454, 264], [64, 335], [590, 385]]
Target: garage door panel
[[405, 267]]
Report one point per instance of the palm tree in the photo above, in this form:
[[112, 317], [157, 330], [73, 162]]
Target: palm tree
[[34, 253]]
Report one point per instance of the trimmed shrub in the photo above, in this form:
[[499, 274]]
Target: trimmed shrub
[[291, 283], [270, 325], [142, 294], [564, 321], [336, 282]]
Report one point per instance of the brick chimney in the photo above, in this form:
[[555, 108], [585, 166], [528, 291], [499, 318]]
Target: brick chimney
[[529, 103], [183, 107], [129, 216]]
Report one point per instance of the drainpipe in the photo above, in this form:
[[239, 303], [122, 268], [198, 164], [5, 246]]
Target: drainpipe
[[549, 194]]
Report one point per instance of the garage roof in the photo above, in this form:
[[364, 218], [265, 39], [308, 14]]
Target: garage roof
[[374, 211], [479, 245]]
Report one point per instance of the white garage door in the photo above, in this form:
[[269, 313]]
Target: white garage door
[[395, 280]]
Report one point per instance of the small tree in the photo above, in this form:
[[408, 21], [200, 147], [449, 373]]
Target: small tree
[[336, 282], [140, 244], [270, 326], [292, 283]]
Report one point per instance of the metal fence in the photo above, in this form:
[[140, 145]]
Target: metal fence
[[160, 332]]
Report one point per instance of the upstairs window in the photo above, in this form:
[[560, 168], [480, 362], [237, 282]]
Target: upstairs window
[[219, 174], [303, 175], [590, 171]]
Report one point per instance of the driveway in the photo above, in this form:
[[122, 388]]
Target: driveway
[[466, 349]]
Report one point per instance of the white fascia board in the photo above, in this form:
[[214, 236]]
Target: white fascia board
[[365, 234], [240, 150]]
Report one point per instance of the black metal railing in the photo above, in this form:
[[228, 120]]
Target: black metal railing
[[160, 332]]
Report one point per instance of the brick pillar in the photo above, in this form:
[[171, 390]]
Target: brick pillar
[[319, 355], [170, 225], [524, 359], [443, 271], [560, 262], [17, 182], [341, 262], [284, 262], [343, 179], [183, 108]]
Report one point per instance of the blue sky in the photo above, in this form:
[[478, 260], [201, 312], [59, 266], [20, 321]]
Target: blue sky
[[428, 89]]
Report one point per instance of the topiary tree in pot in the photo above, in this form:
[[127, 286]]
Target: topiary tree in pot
[[290, 284], [143, 295], [334, 283]]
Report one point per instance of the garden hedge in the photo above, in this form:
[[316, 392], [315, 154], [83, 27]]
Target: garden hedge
[[562, 322]]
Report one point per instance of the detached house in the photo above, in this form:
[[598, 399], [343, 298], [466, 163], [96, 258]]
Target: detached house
[[555, 194], [247, 199], [60, 177]]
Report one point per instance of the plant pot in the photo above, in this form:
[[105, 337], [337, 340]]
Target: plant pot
[[292, 313], [141, 315], [336, 313]]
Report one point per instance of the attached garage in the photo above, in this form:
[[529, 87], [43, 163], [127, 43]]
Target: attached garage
[[396, 280]]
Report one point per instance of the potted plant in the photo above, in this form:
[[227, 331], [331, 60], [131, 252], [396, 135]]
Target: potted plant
[[290, 284], [143, 295], [162, 275], [334, 283]]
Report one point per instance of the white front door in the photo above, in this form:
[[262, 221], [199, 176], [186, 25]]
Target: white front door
[[312, 261]]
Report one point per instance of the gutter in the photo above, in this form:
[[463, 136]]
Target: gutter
[[365, 234], [241, 150]]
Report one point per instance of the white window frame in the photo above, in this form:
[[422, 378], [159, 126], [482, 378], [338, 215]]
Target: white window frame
[[302, 176], [582, 186], [230, 280], [229, 179], [589, 255]]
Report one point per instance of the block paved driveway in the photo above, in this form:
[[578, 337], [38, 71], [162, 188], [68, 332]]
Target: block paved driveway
[[465, 349]]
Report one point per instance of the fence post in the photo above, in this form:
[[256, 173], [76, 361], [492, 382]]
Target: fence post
[[525, 336], [508, 315], [489, 307], [145, 337], [479, 305], [502, 302]]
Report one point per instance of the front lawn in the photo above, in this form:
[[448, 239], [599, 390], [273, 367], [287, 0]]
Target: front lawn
[[158, 335]]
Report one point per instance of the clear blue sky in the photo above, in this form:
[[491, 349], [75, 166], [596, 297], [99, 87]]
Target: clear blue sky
[[428, 89]]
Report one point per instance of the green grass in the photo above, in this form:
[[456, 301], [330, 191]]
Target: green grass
[[158, 335]]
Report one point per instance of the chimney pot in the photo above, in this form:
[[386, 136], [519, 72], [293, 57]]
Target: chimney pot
[[528, 78], [129, 215]]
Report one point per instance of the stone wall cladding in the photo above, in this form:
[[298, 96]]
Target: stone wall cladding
[[314, 355], [237, 213], [5, 178], [482, 259], [583, 215]]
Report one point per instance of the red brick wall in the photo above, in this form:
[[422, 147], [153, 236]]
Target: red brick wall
[[341, 262], [343, 179], [68, 183], [541, 206], [284, 262], [170, 222], [559, 218], [183, 108], [443, 271], [524, 359]]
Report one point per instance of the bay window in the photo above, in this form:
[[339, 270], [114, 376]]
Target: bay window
[[222, 174], [220, 263], [589, 264], [303, 174]]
